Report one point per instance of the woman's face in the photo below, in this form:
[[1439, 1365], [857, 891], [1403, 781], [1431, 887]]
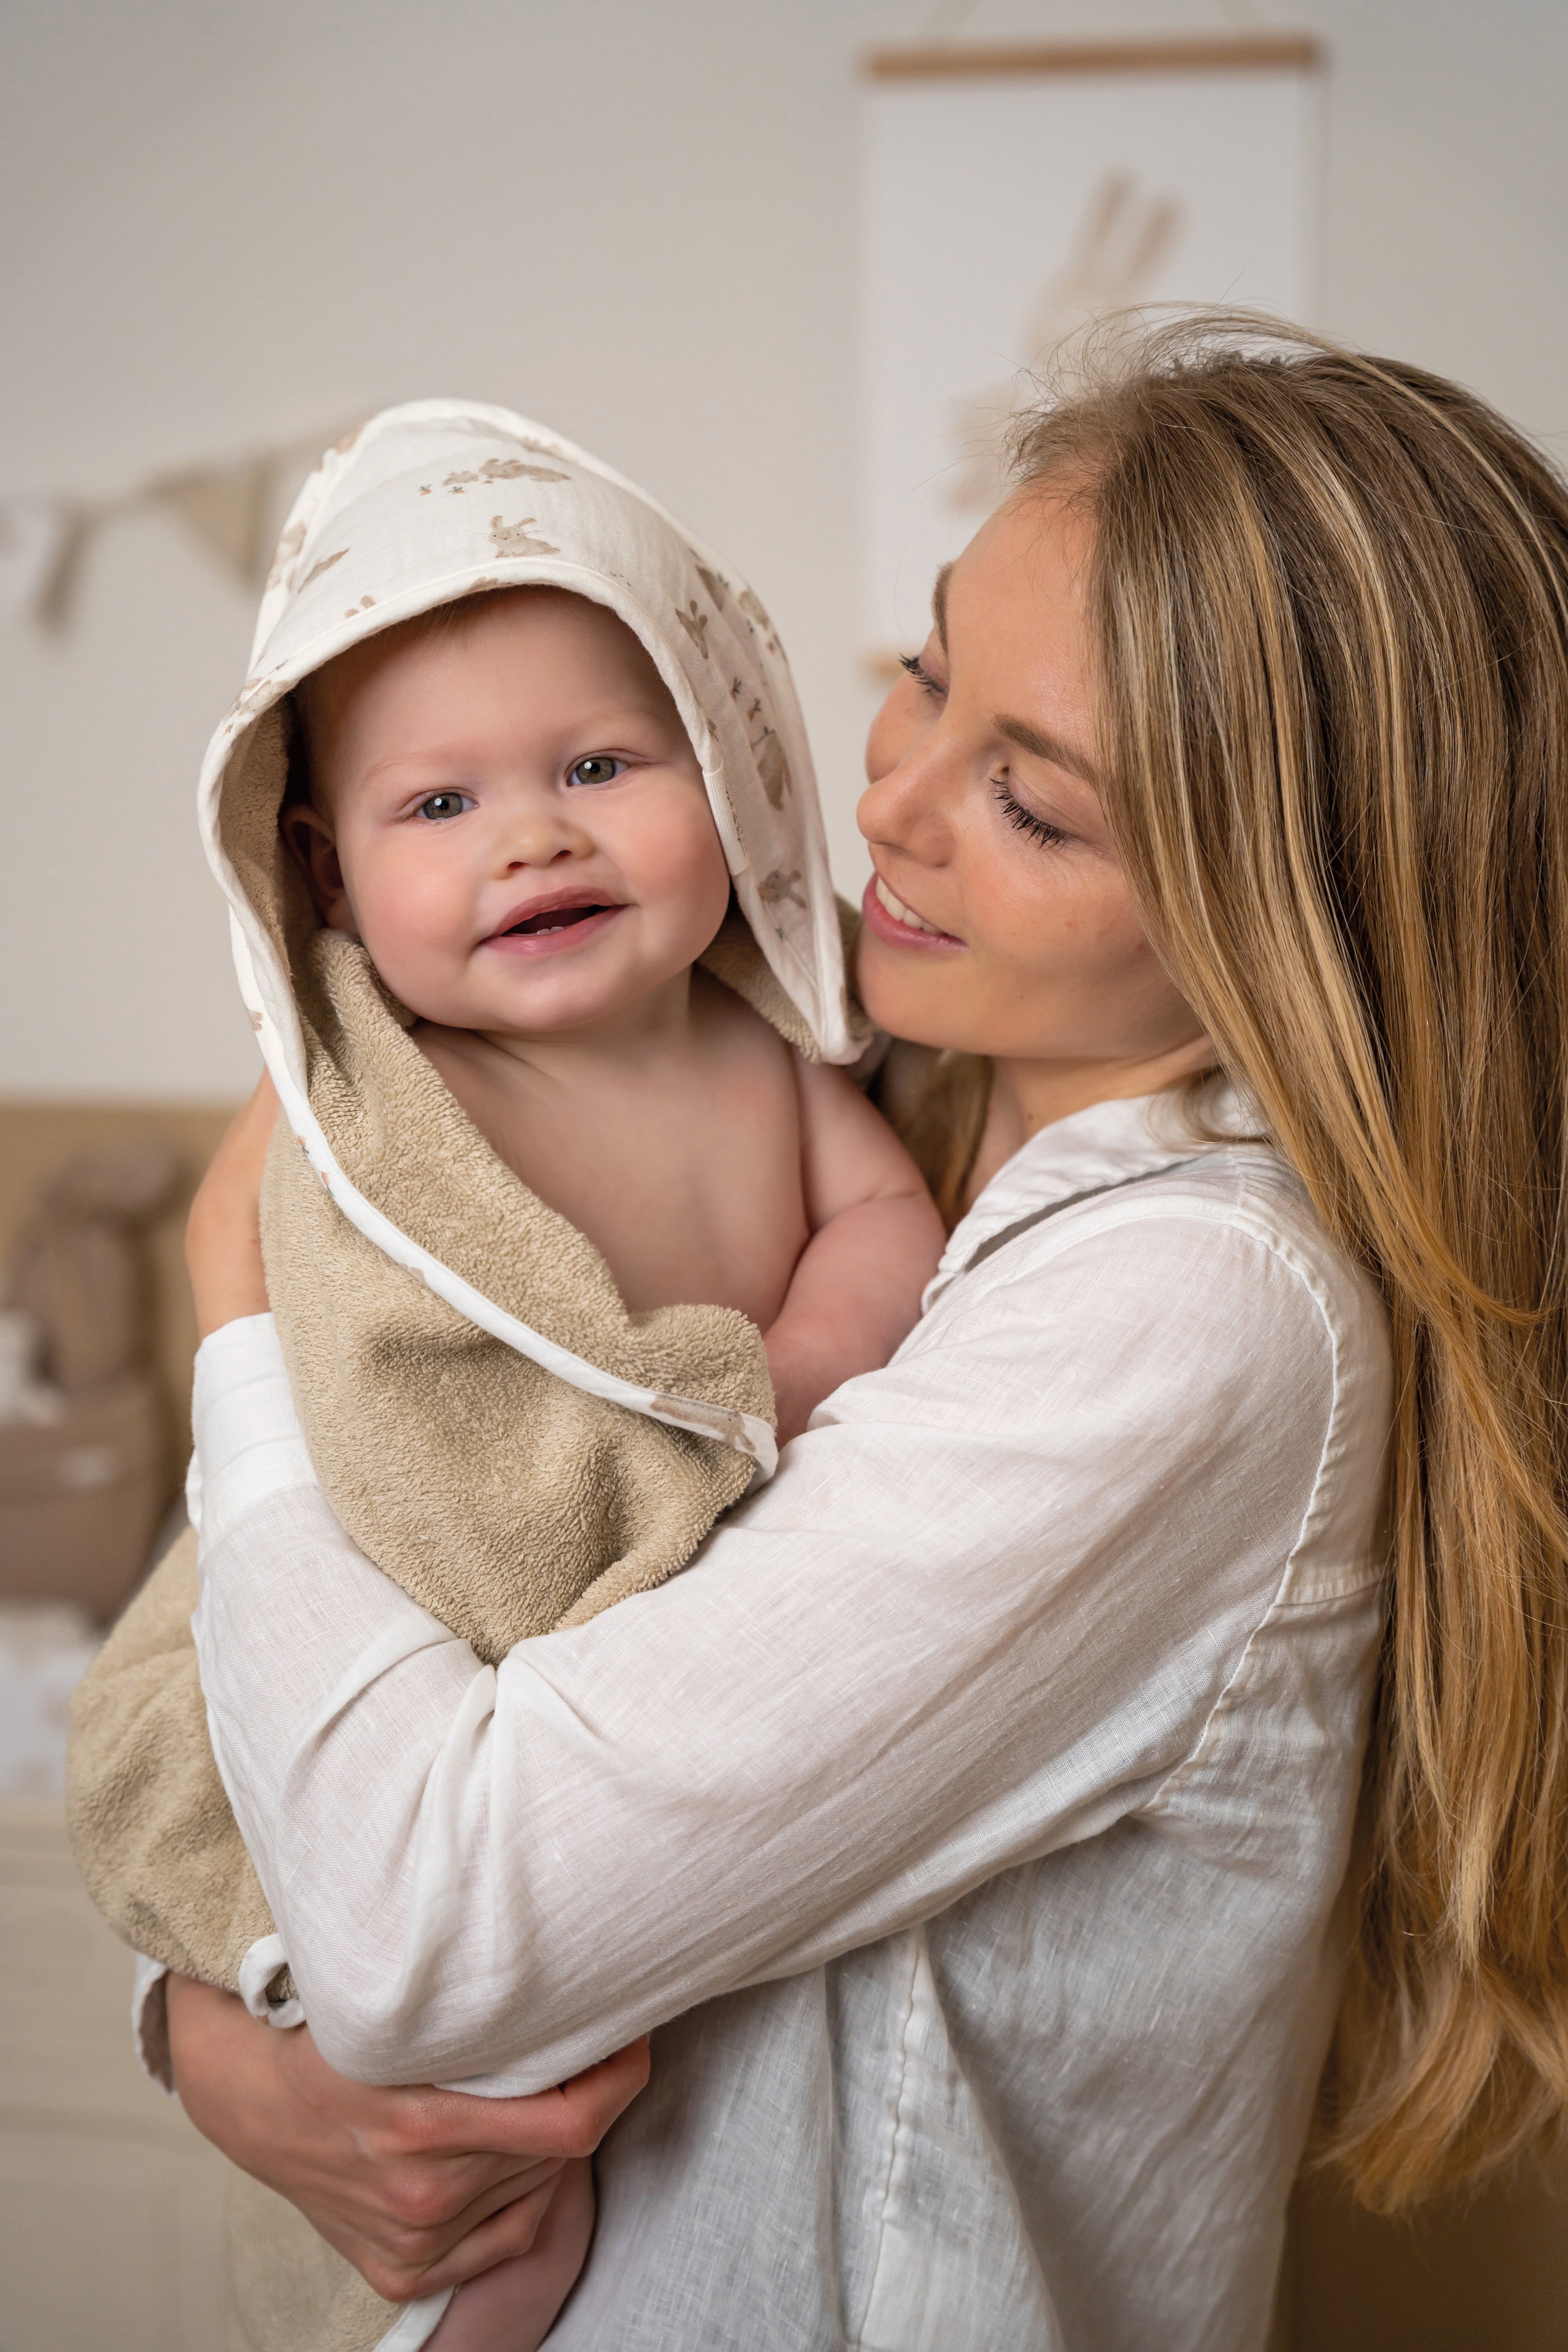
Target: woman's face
[[999, 920]]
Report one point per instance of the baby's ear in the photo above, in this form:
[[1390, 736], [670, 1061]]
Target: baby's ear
[[314, 850]]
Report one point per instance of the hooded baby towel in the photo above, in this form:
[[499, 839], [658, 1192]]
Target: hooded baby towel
[[553, 1452]]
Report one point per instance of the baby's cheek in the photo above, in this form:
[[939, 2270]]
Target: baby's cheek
[[679, 867], [417, 928]]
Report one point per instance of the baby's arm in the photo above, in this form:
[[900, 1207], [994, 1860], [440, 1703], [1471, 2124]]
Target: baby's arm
[[513, 2308], [875, 1240]]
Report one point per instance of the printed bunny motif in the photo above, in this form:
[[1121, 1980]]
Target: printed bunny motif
[[316, 569], [782, 889], [695, 625], [772, 767], [519, 538]]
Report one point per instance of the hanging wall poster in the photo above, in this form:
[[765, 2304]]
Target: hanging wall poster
[[1011, 195]]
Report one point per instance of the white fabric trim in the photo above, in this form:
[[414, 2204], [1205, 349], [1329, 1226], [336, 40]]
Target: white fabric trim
[[416, 2323], [256, 1970], [150, 2022]]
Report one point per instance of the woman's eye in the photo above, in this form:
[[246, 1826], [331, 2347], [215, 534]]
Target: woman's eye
[[912, 666], [440, 805], [599, 768], [1024, 820]]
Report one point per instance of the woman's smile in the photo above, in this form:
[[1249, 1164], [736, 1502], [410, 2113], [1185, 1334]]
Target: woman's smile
[[900, 925]]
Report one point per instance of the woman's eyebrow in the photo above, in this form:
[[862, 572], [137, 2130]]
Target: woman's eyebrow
[[939, 602], [1047, 747]]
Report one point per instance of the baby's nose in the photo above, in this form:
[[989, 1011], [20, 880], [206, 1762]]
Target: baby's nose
[[543, 838]]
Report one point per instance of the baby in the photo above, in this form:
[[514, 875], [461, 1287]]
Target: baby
[[505, 808]]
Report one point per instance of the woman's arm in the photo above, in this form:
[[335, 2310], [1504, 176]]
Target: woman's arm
[[980, 1614]]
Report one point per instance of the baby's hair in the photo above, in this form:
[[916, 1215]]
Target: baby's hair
[[301, 787]]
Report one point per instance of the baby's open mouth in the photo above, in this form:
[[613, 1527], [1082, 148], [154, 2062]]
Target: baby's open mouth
[[556, 919]]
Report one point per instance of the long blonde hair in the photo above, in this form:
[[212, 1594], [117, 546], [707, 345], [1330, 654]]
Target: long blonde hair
[[1330, 603]]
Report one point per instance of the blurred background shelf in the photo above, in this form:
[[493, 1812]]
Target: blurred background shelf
[[36, 1137]]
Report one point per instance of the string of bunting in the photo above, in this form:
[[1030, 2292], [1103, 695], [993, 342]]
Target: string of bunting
[[229, 508]]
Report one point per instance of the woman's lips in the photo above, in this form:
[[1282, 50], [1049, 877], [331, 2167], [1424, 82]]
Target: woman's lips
[[556, 930], [889, 918]]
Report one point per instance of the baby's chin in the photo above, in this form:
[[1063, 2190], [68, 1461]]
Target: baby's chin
[[532, 1003]]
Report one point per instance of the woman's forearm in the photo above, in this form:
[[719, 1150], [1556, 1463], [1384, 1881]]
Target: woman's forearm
[[966, 1624]]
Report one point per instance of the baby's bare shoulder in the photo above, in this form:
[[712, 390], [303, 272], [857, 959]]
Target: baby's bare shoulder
[[732, 1029]]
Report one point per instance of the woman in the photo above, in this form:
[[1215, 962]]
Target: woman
[[978, 1804]]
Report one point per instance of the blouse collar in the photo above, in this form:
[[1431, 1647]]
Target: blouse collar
[[1111, 1143]]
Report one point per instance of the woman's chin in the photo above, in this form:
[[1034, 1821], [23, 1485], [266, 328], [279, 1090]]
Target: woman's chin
[[913, 996]]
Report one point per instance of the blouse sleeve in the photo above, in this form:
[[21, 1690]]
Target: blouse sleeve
[[982, 1611]]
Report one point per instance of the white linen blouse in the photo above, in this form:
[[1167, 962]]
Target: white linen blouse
[[968, 1819]]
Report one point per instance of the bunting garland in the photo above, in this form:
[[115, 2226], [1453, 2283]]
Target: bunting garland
[[227, 508]]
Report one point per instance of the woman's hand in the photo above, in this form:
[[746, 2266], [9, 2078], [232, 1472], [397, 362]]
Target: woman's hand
[[222, 1234], [419, 2188]]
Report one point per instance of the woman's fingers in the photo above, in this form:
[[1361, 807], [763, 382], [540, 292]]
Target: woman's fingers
[[496, 2238], [222, 1234], [568, 2121], [488, 2136], [451, 2184], [234, 1173], [419, 2188]]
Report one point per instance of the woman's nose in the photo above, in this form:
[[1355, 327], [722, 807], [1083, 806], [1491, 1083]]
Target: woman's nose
[[904, 808]]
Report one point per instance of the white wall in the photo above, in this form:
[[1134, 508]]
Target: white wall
[[635, 218]]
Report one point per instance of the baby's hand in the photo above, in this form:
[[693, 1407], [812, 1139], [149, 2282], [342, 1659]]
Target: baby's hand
[[513, 2308]]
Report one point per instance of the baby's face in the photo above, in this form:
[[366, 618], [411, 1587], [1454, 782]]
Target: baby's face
[[509, 813]]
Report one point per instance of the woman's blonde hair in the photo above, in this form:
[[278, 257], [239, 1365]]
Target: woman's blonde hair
[[1330, 603]]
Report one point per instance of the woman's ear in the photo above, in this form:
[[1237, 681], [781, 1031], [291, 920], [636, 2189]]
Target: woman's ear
[[314, 850]]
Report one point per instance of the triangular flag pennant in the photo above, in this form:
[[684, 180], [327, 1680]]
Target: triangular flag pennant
[[34, 537], [224, 509]]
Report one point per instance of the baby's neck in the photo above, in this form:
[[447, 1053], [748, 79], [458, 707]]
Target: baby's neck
[[663, 1026]]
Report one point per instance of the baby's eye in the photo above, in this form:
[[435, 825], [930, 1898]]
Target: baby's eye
[[445, 805], [599, 768]]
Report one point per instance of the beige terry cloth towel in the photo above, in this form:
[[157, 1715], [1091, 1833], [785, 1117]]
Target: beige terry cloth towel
[[490, 1422]]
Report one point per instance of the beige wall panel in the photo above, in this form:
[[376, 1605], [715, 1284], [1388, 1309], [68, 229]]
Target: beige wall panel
[[110, 2203], [108, 2245]]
